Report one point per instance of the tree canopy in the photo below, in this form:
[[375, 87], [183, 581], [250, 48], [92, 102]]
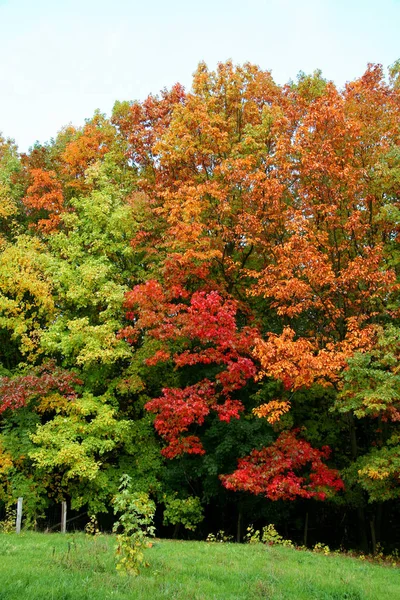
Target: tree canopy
[[202, 292]]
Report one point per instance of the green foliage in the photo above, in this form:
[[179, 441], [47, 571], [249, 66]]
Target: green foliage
[[322, 549], [82, 443], [377, 471], [18, 476], [90, 264], [135, 526], [252, 535], [187, 512], [394, 73], [10, 190], [310, 87], [372, 381], [272, 537], [224, 443], [372, 389], [92, 527]]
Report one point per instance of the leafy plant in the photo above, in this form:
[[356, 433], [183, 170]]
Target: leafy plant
[[268, 535], [271, 536], [252, 536], [322, 549], [7, 525], [92, 527], [220, 537], [135, 525]]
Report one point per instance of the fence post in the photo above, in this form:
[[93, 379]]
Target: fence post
[[19, 515], [63, 517]]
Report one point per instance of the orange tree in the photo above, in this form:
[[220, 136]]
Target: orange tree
[[277, 202], [281, 199]]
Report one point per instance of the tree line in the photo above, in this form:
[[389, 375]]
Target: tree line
[[202, 292]]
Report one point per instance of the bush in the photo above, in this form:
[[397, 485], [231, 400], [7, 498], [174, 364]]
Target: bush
[[187, 512]]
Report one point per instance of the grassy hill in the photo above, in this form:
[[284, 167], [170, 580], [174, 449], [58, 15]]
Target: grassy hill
[[36, 566]]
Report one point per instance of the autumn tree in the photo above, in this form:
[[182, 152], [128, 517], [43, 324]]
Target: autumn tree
[[281, 198]]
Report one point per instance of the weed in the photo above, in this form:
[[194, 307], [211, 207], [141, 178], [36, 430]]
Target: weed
[[8, 524], [220, 537]]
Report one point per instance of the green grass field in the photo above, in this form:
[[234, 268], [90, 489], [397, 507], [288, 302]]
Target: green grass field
[[36, 566]]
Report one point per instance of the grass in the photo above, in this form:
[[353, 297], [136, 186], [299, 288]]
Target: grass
[[35, 566]]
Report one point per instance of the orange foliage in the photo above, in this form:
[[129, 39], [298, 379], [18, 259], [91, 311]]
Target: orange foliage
[[89, 146], [277, 194], [302, 362], [44, 197], [272, 411]]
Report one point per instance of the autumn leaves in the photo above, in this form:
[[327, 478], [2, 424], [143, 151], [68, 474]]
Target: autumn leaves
[[212, 257]]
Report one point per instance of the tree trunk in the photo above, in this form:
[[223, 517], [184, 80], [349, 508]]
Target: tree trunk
[[305, 530], [239, 526]]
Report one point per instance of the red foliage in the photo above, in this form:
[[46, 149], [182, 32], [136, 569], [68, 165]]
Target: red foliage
[[206, 328], [16, 392], [287, 469], [176, 410]]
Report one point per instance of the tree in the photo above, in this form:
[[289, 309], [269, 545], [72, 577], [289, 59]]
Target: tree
[[281, 201]]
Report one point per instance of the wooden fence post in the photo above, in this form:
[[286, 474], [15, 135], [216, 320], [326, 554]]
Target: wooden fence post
[[63, 517], [19, 515]]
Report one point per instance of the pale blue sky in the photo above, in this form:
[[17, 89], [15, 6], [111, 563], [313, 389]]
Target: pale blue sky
[[62, 59]]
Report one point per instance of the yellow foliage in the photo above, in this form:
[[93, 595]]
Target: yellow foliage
[[7, 204], [5, 461], [374, 473], [26, 301], [272, 411], [53, 402]]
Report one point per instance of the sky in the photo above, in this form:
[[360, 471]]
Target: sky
[[60, 60]]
